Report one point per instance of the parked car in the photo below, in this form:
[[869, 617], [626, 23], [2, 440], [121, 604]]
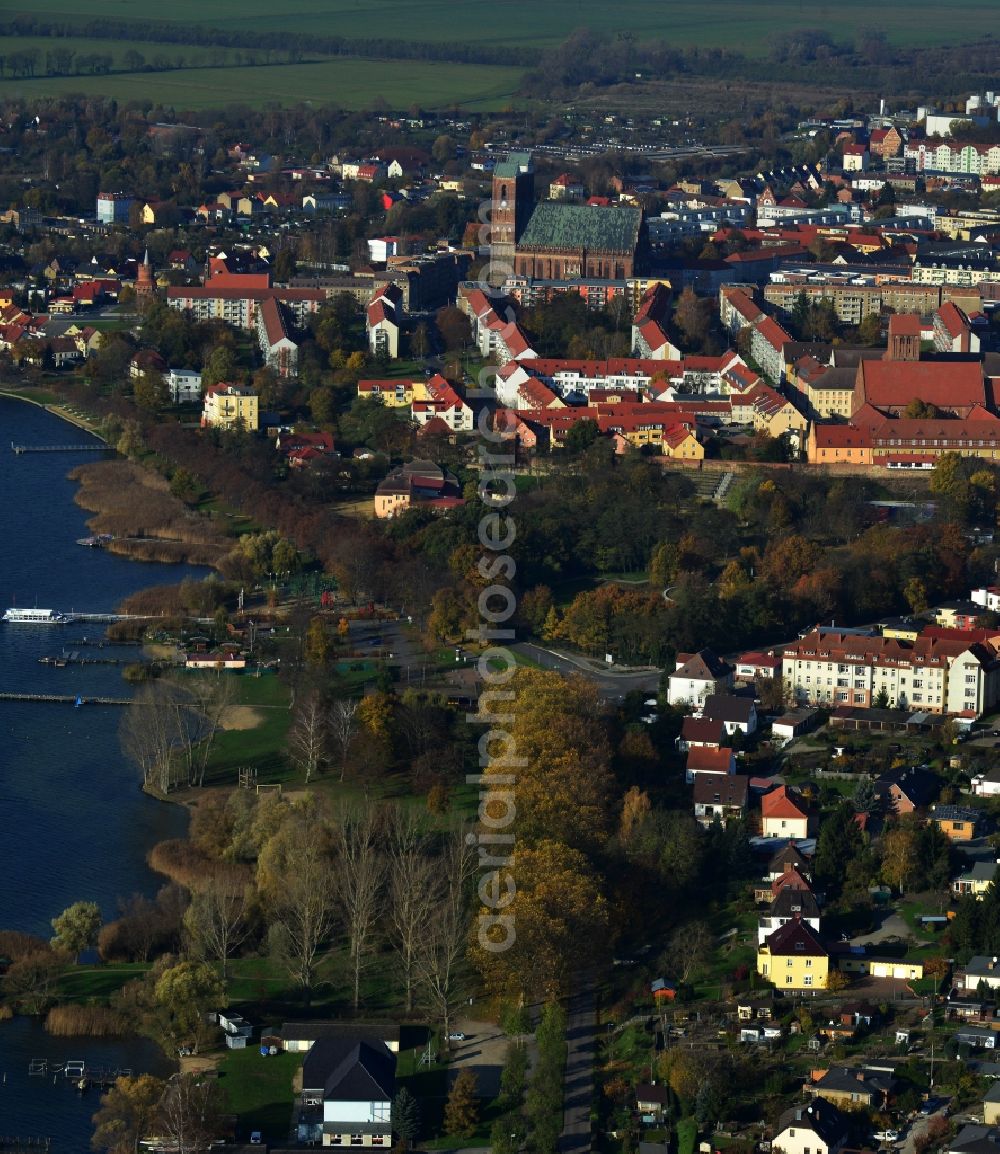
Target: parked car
[[886, 1135], [456, 1036]]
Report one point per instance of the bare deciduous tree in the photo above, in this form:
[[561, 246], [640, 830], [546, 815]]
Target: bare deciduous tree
[[218, 919], [191, 1112], [343, 726], [360, 878], [307, 737], [413, 887], [444, 940], [305, 913], [211, 697], [155, 734]]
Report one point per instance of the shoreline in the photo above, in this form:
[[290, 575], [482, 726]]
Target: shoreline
[[57, 410]]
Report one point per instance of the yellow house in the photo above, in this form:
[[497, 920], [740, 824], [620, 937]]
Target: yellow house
[[682, 445], [394, 394], [230, 407], [956, 822], [899, 631], [793, 958], [829, 396]]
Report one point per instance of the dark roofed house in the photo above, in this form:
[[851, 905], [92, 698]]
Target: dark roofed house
[[348, 1083], [735, 713], [790, 904], [904, 790], [719, 798], [787, 858], [298, 1037], [819, 1127], [852, 1088], [697, 675], [697, 731]]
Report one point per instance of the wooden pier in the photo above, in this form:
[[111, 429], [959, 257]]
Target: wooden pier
[[82, 1076], [66, 698], [9, 1145], [61, 660], [88, 448]]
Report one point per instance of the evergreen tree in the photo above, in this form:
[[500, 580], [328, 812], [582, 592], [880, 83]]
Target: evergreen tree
[[839, 841], [864, 795], [461, 1112], [406, 1116]]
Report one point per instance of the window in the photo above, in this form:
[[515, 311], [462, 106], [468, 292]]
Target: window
[[788, 980], [357, 1139], [788, 963], [807, 980]]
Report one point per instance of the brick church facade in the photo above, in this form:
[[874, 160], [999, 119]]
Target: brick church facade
[[552, 240]]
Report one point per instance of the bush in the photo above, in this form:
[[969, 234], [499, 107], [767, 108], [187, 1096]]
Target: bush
[[687, 1135]]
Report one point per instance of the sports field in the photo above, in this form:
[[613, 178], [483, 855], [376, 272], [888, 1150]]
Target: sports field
[[349, 82], [748, 25]]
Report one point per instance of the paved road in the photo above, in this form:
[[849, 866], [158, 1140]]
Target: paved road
[[382, 638], [581, 1031], [919, 1127], [612, 685]]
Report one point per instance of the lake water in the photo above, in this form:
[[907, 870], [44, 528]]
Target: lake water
[[76, 825]]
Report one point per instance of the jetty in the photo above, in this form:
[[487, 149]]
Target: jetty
[[66, 699], [10, 1145], [90, 447], [72, 657], [82, 1075]]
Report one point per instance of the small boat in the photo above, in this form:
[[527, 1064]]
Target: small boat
[[37, 617]]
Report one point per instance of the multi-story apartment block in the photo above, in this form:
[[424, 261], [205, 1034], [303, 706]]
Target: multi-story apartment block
[[934, 674]]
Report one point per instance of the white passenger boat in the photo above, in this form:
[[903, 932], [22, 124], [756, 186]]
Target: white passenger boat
[[37, 617]]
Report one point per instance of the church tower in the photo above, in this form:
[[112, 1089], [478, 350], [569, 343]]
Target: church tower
[[513, 201], [145, 286]]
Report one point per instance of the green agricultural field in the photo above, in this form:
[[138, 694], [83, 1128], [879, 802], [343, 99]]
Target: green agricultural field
[[349, 82], [745, 24]]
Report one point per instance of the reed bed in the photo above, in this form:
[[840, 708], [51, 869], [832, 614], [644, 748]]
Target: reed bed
[[86, 1021]]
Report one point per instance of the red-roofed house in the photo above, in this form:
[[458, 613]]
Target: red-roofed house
[[280, 352], [767, 343], [952, 331], [705, 759], [443, 401], [784, 815]]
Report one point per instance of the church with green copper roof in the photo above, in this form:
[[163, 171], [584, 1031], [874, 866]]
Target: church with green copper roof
[[552, 240]]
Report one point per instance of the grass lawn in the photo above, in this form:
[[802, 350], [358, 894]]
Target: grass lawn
[[259, 1090], [98, 983], [263, 746], [30, 393]]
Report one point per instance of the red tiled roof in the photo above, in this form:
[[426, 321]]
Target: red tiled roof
[[705, 759], [773, 333], [947, 384], [778, 803]]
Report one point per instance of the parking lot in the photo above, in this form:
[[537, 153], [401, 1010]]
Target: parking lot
[[483, 1051]]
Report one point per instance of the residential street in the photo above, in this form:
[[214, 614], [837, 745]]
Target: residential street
[[581, 1032]]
